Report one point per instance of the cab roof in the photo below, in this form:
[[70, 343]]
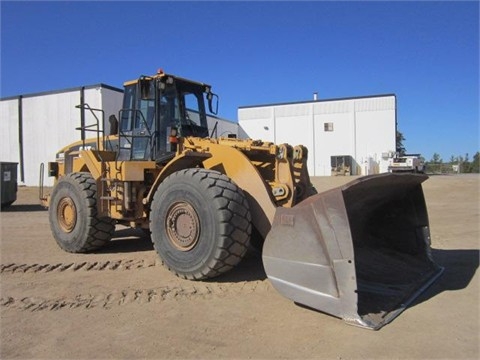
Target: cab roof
[[161, 74]]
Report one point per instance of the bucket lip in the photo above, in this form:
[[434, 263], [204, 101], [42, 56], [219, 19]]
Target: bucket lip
[[383, 178], [413, 178]]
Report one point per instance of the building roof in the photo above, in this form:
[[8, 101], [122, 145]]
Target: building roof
[[316, 101], [51, 92]]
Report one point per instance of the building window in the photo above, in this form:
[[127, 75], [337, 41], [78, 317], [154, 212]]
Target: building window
[[328, 126]]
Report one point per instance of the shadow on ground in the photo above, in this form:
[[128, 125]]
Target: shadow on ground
[[249, 269], [23, 207], [137, 240], [128, 241], [460, 267]]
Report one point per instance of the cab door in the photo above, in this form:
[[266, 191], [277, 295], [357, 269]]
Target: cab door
[[137, 121]]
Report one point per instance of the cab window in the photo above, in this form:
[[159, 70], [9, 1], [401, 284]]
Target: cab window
[[192, 106], [126, 119]]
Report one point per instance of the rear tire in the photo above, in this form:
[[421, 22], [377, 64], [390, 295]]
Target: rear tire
[[73, 215], [200, 223]]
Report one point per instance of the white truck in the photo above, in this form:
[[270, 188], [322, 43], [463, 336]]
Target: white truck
[[412, 163]]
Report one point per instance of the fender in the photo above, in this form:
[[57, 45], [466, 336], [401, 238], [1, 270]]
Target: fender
[[187, 159], [238, 167]]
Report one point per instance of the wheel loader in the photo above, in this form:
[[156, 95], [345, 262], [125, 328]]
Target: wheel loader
[[360, 252]]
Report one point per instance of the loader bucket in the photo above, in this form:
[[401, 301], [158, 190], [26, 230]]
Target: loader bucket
[[360, 252]]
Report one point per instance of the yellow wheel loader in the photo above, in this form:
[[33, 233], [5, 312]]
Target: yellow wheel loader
[[360, 252]]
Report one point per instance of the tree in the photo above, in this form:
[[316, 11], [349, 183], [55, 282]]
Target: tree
[[465, 166], [476, 163], [400, 148], [436, 159]]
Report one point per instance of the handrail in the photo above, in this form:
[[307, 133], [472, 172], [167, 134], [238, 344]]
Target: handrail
[[96, 124]]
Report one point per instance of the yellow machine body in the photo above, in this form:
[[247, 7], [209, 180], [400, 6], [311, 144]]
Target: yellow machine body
[[270, 175]]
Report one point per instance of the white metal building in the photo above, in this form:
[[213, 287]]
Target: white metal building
[[358, 132], [35, 126]]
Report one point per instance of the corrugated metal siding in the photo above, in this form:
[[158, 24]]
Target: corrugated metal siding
[[292, 110], [256, 113], [363, 128], [49, 122], [340, 141], [375, 104], [334, 107], [297, 130], [9, 146], [256, 123]]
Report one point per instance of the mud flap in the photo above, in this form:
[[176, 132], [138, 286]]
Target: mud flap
[[360, 252]]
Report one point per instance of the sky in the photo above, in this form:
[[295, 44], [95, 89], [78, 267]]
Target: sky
[[252, 53]]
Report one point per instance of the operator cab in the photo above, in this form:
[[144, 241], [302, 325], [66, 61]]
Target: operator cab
[[157, 110]]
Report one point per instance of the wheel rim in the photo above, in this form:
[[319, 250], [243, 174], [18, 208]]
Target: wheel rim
[[183, 226], [66, 214]]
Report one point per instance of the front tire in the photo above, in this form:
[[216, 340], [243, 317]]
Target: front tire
[[200, 223], [73, 215]]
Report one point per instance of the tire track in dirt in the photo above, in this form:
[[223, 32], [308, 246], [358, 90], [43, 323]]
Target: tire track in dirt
[[123, 264], [133, 296]]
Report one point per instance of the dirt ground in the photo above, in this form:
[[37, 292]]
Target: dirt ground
[[121, 303]]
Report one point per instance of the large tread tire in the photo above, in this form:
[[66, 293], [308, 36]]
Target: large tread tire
[[73, 215], [200, 223]]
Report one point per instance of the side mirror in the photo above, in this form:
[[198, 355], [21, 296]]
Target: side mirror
[[113, 124], [212, 103]]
